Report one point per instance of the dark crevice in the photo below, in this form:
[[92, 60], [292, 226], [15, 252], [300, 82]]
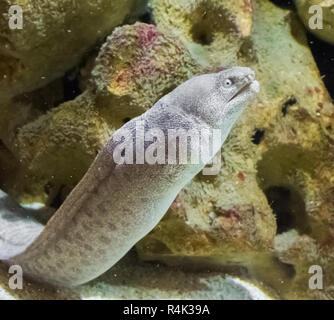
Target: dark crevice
[[323, 54], [288, 207], [290, 102], [48, 187], [127, 119], [58, 199], [284, 4], [202, 36], [147, 16], [71, 85], [2, 145], [58, 196], [42, 99], [289, 269], [8, 166], [258, 136], [279, 201], [208, 21]]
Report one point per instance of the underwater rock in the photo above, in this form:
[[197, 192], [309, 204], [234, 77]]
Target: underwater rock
[[26, 107], [135, 67], [274, 165], [209, 27], [268, 214], [323, 29], [69, 137], [17, 112], [54, 38]]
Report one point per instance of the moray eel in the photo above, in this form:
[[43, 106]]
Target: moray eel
[[116, 204]]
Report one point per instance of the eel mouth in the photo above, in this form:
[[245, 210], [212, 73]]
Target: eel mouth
[[251, 85], [245, 88]]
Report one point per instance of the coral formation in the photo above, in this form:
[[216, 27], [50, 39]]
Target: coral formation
[[136, 66], [209, 27], [50, 43]]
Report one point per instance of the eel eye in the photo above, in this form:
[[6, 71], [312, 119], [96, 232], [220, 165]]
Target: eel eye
[[227, 83]]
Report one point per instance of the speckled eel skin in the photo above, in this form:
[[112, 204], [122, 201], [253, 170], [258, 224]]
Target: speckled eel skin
[[115, 205]]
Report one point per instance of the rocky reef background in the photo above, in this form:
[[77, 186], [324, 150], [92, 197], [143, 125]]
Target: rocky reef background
[[79, 70]]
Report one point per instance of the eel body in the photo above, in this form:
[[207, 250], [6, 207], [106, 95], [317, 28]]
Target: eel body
[[116, 204]]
